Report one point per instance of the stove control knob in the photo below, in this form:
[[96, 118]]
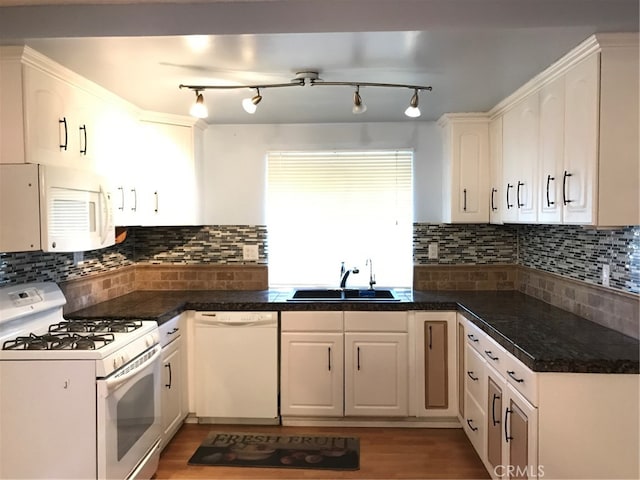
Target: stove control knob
[[116, 364]]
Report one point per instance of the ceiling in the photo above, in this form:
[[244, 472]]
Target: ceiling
[[472, 52]]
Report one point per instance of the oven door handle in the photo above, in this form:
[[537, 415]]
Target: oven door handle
[[115, 382]]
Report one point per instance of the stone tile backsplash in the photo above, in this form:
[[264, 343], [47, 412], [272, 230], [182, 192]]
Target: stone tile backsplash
[[465, 244]]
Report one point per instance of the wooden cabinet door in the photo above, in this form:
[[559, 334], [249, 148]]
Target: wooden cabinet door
[[520, 435], [579, 176], [376, 374], [436, 365], [312, 374], [551, 155], [494, 419]]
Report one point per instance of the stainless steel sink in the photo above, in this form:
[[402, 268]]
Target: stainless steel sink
[[346, 295]]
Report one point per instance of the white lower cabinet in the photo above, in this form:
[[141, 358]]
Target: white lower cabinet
[[312, 374], [174, 377], [336, 364], [376, 374]]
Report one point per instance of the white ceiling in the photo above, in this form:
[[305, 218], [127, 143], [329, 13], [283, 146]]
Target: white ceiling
[[472, 52]]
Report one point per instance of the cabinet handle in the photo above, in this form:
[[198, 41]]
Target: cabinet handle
[[493, 409], [135, 200], [168, 385], [507, 437], [489, 354], [83, 129], [156, 197], [509, 205], [329, 357], [549, 202], [174, 330], [473, 429], [430, 338], [63, 146], [511, 373], [493, 207], [464, 204], [520, 184], [565, 200], [470, 373], [471, 337], [358, 358], [121, 207]]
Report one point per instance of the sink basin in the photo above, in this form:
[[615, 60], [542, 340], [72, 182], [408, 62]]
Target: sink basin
[[347, 295]]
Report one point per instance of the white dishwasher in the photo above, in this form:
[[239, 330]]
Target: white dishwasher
[[236, 367]]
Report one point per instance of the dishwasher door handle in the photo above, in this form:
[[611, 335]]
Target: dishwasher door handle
[[217, 323]]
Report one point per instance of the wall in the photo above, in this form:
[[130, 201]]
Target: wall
[[235, 168]]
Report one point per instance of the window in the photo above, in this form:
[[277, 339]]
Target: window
[[324, 208]]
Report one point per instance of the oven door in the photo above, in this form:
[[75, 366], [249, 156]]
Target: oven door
[[129, 418]]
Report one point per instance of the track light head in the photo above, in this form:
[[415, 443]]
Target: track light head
[[412, 110], [358, 106], [250, 104], [199, 109]]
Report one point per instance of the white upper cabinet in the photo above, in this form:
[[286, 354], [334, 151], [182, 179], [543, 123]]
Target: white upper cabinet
[[551, 154], [520, 161], [47, 116], [169, 194], [466, 168], [570, 139]]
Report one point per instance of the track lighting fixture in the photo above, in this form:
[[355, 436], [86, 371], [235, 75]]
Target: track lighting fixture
[[199, 109], [358, 106], [250, 104], [308, 78], [412, 110]]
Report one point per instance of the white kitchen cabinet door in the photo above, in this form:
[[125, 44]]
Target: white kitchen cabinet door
[[170, 196], [496, 188], [466, 168], [579, 175], [551, 158], [311, 374], [376, 374], [494, 423], [173, 408], [520, 160]]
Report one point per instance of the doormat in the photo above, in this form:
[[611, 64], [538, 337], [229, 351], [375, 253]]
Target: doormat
[[276, 450]]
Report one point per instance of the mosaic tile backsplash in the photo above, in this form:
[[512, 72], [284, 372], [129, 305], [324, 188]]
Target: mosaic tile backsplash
[[570, 251]]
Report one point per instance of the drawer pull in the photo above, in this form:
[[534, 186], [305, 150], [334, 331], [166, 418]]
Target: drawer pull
[[512, 374], [470, 373], [490, 355], [175, 330], [472, 337], [473, 429]]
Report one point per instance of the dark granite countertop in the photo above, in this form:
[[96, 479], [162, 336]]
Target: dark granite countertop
[[543, 337]]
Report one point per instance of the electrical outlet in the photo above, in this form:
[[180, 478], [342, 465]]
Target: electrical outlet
[[606, 275], [250, 252], [78, 258], [433, 251]]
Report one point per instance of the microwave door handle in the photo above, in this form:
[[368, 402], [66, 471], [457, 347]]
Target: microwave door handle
[[105, 216], [113, 383]]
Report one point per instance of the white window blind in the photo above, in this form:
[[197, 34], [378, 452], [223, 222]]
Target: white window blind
[[326, 207]]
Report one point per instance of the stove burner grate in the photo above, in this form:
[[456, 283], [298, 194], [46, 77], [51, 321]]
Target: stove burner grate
[[59, 341], [78, 326]]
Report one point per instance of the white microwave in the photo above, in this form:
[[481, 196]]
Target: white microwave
[[53, 209]]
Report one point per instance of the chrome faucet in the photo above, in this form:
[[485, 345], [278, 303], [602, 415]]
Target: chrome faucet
[[344, 274], [372, 277]]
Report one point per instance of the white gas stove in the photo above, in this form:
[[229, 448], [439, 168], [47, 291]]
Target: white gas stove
[[95, 384]]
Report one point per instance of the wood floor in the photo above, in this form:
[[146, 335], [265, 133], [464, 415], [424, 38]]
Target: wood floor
[[385, 453]]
